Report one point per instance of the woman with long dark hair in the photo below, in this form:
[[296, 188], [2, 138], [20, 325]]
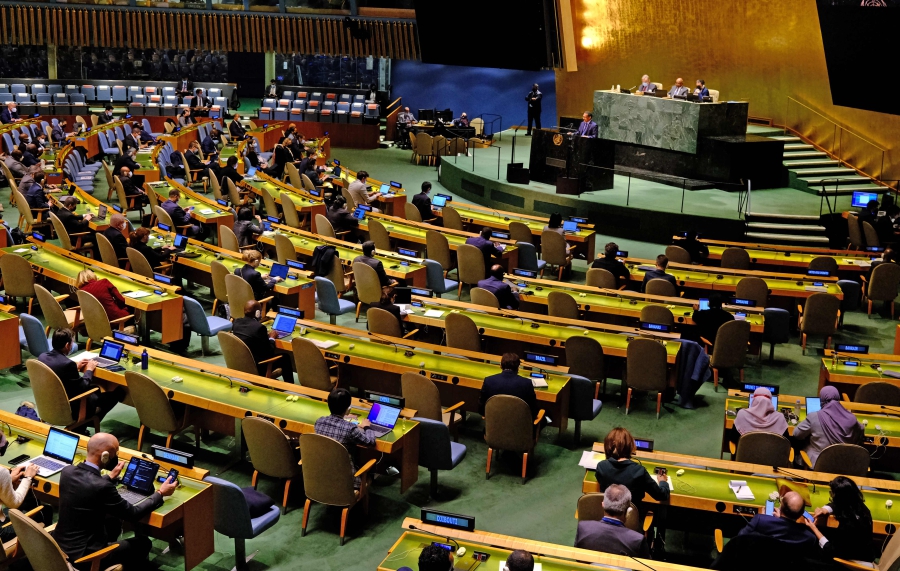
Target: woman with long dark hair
[[852, 539]]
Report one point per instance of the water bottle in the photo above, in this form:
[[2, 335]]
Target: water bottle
[[145, 361]]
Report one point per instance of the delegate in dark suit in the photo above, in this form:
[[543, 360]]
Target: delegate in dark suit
[[587, 129], [611, 536], [7, 116], [125, 161], [789, 532], [74, 223], [377, 266], [261, 288], [657, 275], [613, 266], [488, 250], [86, 500], [237, 130], [118, 241], [131, 142], [501, 290], [75, 384], [509, 383], [209, 146], [254, 334], [341, 219], [423, 202]]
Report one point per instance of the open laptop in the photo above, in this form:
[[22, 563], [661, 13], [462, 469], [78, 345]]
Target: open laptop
[[180, 242], [284, 325], [101, 212], [251, 172], [570, 226], [383, 418], [278, 271], [137, 482], [359, 214], [439, 201], [110, 354], [813, 404], [59, 452]]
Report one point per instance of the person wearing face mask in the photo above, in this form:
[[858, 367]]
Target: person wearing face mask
[[91, 510], [74, 223], [210, 144], [182, 217], [10, 114], [14, 164], [126, 160], [59, 132], [131, 189], [185, 119], [646, 86], [463, 121], [118, 227], [201, 104], [235, 129], [41, 142], [133, 141], [30, 155], [701, 91], [106, 116], [70, 373], [35, 194]]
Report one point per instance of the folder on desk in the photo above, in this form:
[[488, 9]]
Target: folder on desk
[[590, 459], [434, 313], [323, 344]]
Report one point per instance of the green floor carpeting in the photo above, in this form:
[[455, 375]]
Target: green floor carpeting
[[542, 509]]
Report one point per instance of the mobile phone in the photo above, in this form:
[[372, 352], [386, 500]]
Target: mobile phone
[[660, 471], [808, 516], [173, 473], [770, 507]]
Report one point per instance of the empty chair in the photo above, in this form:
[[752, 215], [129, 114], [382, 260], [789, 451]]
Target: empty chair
[[678, 255], [851, 290], [383, 323], [870, 234], [528, 259], [312, 369], [561, 304], [882, 286], [736, 258], [328, 477], [205, 326], [462, 333], [878, 392], [818, 317], [471, 266], [509, 426], [824, 263], [218, 271], [422, 395], [53, 404], [271, 453], [368, 286], [328, 300], [238, 356], [379, 234], [284, 249], [590, 507], [855, 232], [54, 315], [44, 553], [481, 296], [155, 411], [436, 282], [451, 216], [18, 278], [659, 286], [645, 370], [846, 459], [754, 289], [583, 405], [438, 249], [777, 328], [730, 349], [764, 448], [232, 518], [35, 337], [657, 314], [291, 216], [436, 450]]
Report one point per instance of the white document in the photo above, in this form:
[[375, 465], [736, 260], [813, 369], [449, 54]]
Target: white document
[[206, 211], [434, 313], [816, 288], [323, 344], [136, 294], [743, 492], [20, 250], [539, 383], [590, 459]]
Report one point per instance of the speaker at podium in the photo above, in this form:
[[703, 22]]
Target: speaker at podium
[[560, 159]]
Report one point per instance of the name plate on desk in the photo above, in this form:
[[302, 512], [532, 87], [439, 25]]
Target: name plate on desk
[[558, 163]]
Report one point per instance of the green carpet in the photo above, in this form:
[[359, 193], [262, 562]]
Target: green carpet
[[542, 509]]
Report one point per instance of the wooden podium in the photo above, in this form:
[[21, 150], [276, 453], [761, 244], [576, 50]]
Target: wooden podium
[[568, 162]]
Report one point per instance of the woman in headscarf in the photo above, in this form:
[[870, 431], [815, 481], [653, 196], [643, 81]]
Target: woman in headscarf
[[833, 424], [760, 416]]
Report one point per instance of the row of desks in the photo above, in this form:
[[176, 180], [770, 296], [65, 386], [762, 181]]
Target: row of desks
[[787, 256]]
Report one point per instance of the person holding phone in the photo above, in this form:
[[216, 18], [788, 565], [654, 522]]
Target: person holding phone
[[852, 539], [784, 526]]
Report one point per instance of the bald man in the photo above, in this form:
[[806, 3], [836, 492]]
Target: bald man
[[678, 90], [783, 525], [88, 502]]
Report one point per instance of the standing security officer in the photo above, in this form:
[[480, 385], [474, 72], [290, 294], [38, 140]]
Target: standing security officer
[[534, 108]]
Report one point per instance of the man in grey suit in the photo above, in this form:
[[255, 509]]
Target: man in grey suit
[[610, 534], [646, 86], [678, 90]]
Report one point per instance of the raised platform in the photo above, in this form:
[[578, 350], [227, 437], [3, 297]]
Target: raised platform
[[633, 208]]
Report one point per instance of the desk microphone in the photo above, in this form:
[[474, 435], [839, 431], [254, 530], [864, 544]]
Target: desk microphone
[[793, 475], [387, 340], [633, 88], [460, 551], [512, 314], [896, 411], [639, 561]]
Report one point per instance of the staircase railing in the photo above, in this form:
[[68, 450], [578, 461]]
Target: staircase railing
[[848, 148]]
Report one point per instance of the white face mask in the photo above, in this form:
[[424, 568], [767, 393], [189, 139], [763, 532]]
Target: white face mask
[[645, 83], [126, 174], [13, 110]]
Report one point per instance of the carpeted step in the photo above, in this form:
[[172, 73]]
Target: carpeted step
[[804, 154], [786, 238], [831, 180], [775, 227], [787, 138], [798, 218], [849, 190], [824, 171], [795, 164], [798, 147]]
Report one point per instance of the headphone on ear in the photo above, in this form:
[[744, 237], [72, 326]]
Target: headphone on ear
[[258, 314], [104, 457]]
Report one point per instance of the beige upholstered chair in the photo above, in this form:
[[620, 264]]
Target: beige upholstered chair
[[554, 251], [659, 286], [342, 279], [413, 144], [657, 314], [878, 392], [714, 94], [764, 448], [348, 199], [18, 278], [239, 293], [108, 253], [312, 369], [53, 405], [424, 148], [855, 232], [462, 333], [324, 228], [155, 411], [452, 219], [33, 218], [328, 477], [271, 453], [730, 349], [292, 217], [471, 266], [645, 370], [678, 255], [882, 286], [379, 234], [306, 182], [139, 263], [220, 290], [284, 249], [422, 395], [520, 232], [215, 186], [65, 239], [55, 317], [846, 459], [870, 234], [368, 286], [819, 317], [736, 258], [228, 240], [438, 248], [127, 203], [293, 176], [383, 323], [163, 216], [509, 426], [44, 553], [584, 356], [412, 213], [590, 507], [562, 304], [239, 357], [826, 263], [96, 322], [481, 296], [598, 277], [753, 288]]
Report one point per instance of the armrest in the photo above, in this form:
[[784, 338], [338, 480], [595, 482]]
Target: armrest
[[806, 460], [844, 397], [368, 466], [272, 360], [719, 541], [648, 521], [59, 298], [120, 320], [732, 449], [410, 334], [27, 514], [852, 564], [791, 456], [800, 309], [79, 234], [865, 279], [455, 407], [97, 554], [84, 394], [540, 417]]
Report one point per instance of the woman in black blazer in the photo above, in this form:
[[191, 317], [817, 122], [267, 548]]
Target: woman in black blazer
[[619, 468], [261, 286]]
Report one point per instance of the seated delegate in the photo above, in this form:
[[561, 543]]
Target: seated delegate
[[334, 426], [659, 273], [610, 534], [609, 262], [507, 298], [509, 382], [678, 90], [619, 468], [832, 424], [760, 416], [646, 86]]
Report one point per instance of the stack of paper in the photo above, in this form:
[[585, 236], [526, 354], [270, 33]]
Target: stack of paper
[[137, 294], [539, 383], [590, 459], [323, 344], [434, 313], [741, 490]]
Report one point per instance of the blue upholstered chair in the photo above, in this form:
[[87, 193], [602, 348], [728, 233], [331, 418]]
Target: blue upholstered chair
[[232, 518], [528, 259], [33, 337], [437, 451], [582, 404], [851, 290], [434, 276], [203, 325], [777, 328], [328, 300]]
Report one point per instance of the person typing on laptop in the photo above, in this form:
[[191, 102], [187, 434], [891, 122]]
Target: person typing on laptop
[[334, 426], [89, 502], [69, 372], [260, 341]]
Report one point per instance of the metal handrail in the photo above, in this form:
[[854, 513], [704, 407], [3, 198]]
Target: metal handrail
[[836, 124]]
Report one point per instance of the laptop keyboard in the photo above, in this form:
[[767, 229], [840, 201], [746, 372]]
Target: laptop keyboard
[[47, 463], [130, 496], [379, 430]]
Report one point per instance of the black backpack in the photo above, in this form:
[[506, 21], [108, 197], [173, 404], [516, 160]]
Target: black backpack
[[323, 259]]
